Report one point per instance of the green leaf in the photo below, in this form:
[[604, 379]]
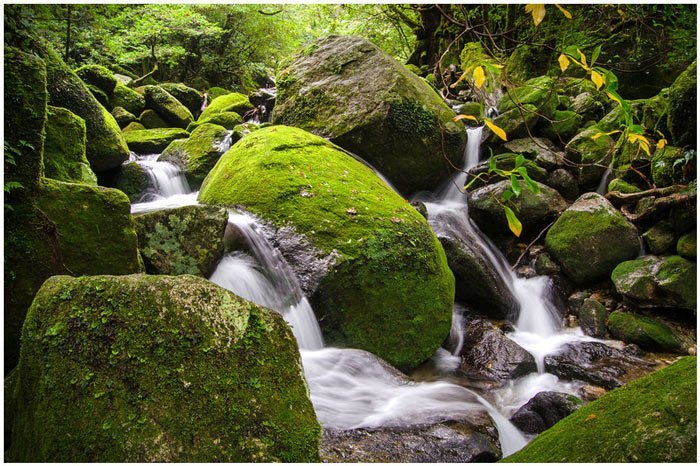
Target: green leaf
[[492, 163], [595, 55], [508, 194], [519, 160], [610, 81], [515, 184], [513, 223]]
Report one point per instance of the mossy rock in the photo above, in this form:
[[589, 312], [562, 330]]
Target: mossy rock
[[542, 153], [25, 118], [228, 120], [667, 166], [654, 113], [199, 153], [133, 126], [592, 317], [133, 180], [590, 238], [153, 141], [651, 281], [231, 102], [620, 185], [590, 106], [527, 62], [516, 123], [650, 420], [64, 148], [505, 161], [123, 116], [98, 94], [475, 109], [412, 68], [533, 210], [71, 229], [127, 98], [346, 89], [564, 125], [187, 96], [167, 107], [683, 108], [186, 240], [98, 76], [215, 92], [158, 369], [387, 288], [687, 245], [538, 92], [659, 238], [105, 145], [645, 332], [151, 120], [595, 155]]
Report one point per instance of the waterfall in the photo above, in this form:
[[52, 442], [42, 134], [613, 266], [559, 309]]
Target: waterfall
[[169, 187]]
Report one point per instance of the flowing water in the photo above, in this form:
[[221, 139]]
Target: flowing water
[[169, 187]]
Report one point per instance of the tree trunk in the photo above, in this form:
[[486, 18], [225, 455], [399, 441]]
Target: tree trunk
[[69, 11]]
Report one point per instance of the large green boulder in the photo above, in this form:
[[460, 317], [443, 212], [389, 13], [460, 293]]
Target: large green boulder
[[189, 97], [168, 107], [346, 89], [650, 420], [199, 153], [687, 245], [25, 118], [64, 148], [151, 120], [527, 62], [232, 102], [153, 141], [98, 76], [128, 99], [593, 153], [384, 286], [645, 332], [590, 238], [68, 228], [651, 281], [683, 108], [538, 92], [133, 180], [226, 119], [105, 145], [185, 240], [158, 369], [123, 116]]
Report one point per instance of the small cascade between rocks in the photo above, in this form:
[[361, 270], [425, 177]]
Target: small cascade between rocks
[[169, 187]]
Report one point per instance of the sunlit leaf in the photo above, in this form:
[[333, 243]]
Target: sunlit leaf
[[465, 117], [537, 10], [496, 130], [597, 79], [461, 78], [563, 62], [642, 141], [515, 184], [492, 163], [662, 143], [597, 135], [507, 195], [519, 160], [565, 12], [614, 96], [610, 81], [513, 223], [583, 58], [479, 77]]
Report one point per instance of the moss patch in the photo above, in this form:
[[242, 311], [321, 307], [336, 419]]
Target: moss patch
[[153, 141], [64, 148], [167, 107], [649, 334], [98, 76], [232, 102], [127, 98]]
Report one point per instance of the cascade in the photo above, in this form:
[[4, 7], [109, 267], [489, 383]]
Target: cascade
[[169, 187]]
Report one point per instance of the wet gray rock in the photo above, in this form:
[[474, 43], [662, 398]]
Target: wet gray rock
[[564, 182], [544, 410], [540, 150], [592, 318]]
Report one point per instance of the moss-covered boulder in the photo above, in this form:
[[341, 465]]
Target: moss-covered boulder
[[563, 125], [128, 99], [151, 120], [98, 76], [199, 153], [683, 108], [533, 210], [158, 369], [386, 287], [25, 118], [133, 126], [651, 419], [105, 145], [123, 116], [153, 141], [98, 94], [659, 238], [687, 245], [589, 105], [516, 123], [64, 148], [538, 92], [189, 97], [167, 107], [594, 155], [228, 120], [133, 180], [346, 89], [592, 317], [652, 281], [232, 102], [645, 332], [590, 238], [71, 229], [214, 92], [667, 166], [186, 240], [527, 62], [620, 185], [541, 151]]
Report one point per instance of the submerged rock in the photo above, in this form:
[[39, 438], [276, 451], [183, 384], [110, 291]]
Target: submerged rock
[[387, 288], [346, 89], [185, 240], [544, 410], [590, 238], [653, 419], [649, 334], [158, 369]]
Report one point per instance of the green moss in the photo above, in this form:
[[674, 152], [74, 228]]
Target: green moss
[[189, 97], [617, 184], [527, 62], [166, 369], [659, 238], [133, 126], [98, 94], [663, 170], [122, 116], [127, 98], [214, 92], [682, 103], [64, 148], [687, 245], [232, 102], [167, 107], [645, 332], [594, 155], [228, 120], [153, 141], [564, 125], [517, 123], [389, 270], [132, 180], [538, 92], [409, 115], [151, 120], [652, 419], [98, 76]]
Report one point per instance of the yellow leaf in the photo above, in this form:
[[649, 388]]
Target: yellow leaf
[[597, 135], [513, 223], [613, 97], [496, 130], [465, 117], [497, 66], [661, 144], [583, 59], [461, 78], [597, 79], [479, 77], [563, 62], [565, 12], [537, 10], [590, 417]]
